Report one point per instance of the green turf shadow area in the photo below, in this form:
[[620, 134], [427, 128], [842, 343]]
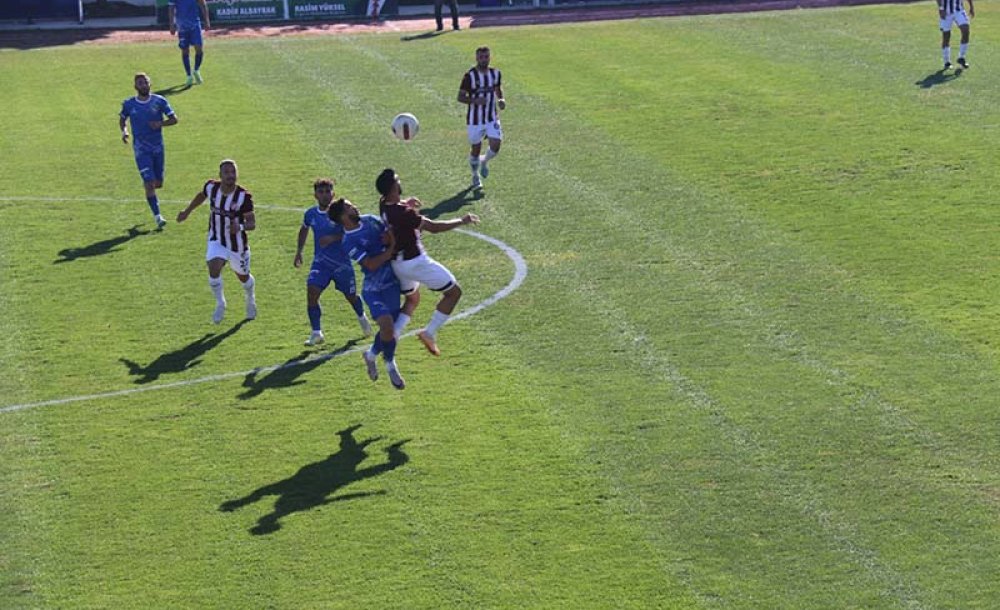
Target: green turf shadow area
[[753, 363]]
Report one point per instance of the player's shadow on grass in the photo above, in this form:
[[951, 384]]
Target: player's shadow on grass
[[454, 203], [173, 90], [424, 36], [287, 374], [105, 246], [937, 78], [180, 359], [314, 484]]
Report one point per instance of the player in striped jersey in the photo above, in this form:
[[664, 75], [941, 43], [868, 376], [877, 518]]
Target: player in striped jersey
[[481, 91], [330, 262], [230, 218], [953, 12], [371, 246]]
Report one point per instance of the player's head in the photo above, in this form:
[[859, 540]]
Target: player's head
[[228, 172], [388, 185], [483, 57], [141, 82], [344, 213], [323, 191]]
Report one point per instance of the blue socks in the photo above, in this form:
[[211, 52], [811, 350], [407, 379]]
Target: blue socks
[[389, 350], [377, 345], [154, 205], [197, 60], [359, 308], [187, 64], [315, 313]]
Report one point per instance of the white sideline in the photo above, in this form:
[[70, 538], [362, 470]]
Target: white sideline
[[520, 273]]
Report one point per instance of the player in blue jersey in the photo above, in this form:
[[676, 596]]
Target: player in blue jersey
[[149, 114], [330, 262], [368, 243], [186, 20]]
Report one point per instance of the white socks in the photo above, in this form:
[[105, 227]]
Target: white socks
[[490, 153], [474, 164], [946, 53], [436, 321], [962, 48], [400, 325], [215, 283], [248, 287]]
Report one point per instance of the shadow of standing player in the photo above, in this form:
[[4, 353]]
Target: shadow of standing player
[[180, 359], [99, 248]]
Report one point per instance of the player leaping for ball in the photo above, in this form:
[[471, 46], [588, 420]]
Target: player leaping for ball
[[953, 12], [149, 114], [230, 218], [411, 264], [369, 244], [481, 91], [330, 262]]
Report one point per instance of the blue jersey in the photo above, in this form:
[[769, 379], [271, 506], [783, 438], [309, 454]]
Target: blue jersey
[[139, 114], [365, 241], [187, 14], [333, 255]]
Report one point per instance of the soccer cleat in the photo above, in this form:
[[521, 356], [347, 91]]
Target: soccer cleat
[[484, 168], [476, 182], [197, 77], [963, 63], [160, 223], [188, 81], [370, 364], [315, 338], [394, 377], [429, 343], [220, 312], [251, 309], [366, 326], [947, 65]]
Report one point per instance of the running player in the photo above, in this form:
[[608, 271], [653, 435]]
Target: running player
[[330, 262], [229, 219], [146, 112], [953, 12], [186, 19], [481, 91]]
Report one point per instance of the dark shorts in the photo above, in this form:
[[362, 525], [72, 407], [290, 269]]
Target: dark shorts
[[342, 277], [150, 165]]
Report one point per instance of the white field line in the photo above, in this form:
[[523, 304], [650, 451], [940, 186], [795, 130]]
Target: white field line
[[520, 273]]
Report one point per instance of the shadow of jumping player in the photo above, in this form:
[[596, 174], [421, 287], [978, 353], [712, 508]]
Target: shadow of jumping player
[[287, 374], [105, 246], [312, 485], [179, 359]]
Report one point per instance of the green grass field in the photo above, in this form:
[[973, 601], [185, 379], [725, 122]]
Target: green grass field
[[754, 363]]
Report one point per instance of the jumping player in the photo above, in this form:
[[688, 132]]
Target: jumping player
[[146, 112], [481, 91]]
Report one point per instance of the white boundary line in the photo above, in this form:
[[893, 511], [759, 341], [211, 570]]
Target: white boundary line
[[520, 273]]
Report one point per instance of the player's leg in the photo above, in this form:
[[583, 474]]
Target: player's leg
[[963, 46], [316, 283], [185, 46], [215, 265], [438, 17], [495, 138], [409, 287], [158, 162], [440, 279], [240, 264], [453, 7], [199, 55], [343, 281], [946, 42], [476, 134]]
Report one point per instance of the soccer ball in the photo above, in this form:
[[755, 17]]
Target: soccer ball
[[405, 126]]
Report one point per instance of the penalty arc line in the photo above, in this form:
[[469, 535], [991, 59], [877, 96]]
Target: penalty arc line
[[520, 273]]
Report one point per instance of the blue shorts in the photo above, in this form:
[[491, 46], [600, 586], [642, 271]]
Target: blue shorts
[[382, 302], [342, 277], [150, 165], [188, 37]]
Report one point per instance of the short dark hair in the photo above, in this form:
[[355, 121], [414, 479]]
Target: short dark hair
[[228, 162], [336, 210], [385, 181], [139, 75], [323, 182], [484, 48]]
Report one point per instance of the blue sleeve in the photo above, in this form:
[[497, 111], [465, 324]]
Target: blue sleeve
[[124, 113], [167, 110], [305, 219]]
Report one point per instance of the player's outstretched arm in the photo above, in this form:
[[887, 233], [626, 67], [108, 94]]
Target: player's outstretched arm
[[197, 201], [440, 226]]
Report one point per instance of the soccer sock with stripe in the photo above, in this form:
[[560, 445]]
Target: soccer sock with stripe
[[154, 205], [215, 283], [315, 313], [474, 164], [400, 325], [197, 60], [962, 48], [187, 63], [436, 321], [946, 54]]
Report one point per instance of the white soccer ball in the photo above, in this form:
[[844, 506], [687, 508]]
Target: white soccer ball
[[405, 126]]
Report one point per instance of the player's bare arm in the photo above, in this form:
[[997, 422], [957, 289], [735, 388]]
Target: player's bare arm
[[303, 234], [372, 263], [204, 14], [440, 226], [414, 203], [197, 201], [501, 102], [972, 9], [123, 128], [249, 223], [171, 120], [172, 18]]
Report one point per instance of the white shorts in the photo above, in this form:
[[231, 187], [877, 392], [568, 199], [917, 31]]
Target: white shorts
[[422, 270], [238, 262], [490, 130], [958, 18]]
